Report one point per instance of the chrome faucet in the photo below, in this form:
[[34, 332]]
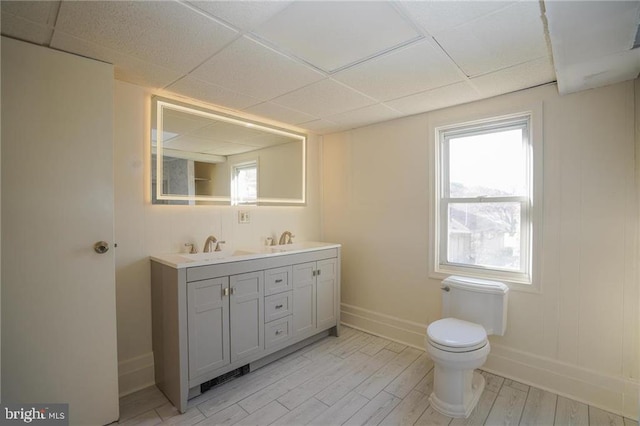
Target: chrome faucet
[[286, 238], [208, 244], [193, 249]]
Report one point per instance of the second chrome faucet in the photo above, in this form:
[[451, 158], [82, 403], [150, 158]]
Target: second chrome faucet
[[286, 238], [209, 244]]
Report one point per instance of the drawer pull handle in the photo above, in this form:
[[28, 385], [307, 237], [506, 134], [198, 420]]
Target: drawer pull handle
[[278, 332], [278, 306], [278, 280]]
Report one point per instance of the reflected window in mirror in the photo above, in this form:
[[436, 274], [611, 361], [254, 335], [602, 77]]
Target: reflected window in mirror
[[197, 156], [244, 183]]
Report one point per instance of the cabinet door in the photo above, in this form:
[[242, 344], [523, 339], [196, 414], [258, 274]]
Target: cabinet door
[[208, 323], [247, 314], [304, 299], [326, 293]]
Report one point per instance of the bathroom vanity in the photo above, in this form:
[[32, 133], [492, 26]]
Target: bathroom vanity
[[220, 313]]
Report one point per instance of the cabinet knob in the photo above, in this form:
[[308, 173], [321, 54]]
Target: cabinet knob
[[278, 332]]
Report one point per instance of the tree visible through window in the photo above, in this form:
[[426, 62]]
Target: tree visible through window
[[485, 198]]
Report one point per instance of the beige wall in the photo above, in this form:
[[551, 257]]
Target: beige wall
[[142, 229], [578, 336]]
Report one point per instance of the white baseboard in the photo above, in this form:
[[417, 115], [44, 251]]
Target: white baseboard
[[135, 374], [393, 328], [611, 393]]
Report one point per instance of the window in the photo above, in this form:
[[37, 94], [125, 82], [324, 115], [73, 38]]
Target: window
[[484, 214], [244, 183]]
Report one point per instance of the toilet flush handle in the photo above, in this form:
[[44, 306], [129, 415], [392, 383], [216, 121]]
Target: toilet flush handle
[[446, 288]]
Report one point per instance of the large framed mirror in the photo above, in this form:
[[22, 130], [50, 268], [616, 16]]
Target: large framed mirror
[[201, 156]]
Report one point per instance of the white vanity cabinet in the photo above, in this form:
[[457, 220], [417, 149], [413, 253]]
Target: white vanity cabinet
[[211, 319]]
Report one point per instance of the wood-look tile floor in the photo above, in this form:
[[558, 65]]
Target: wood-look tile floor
[[356, 379]]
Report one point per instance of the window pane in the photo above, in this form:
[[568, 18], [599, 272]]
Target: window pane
[[485, 234], [492, 164]]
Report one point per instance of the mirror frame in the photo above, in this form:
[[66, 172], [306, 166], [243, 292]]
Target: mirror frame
[[157, 108]]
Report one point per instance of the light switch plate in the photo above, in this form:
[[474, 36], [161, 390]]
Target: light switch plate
[[244, 217]]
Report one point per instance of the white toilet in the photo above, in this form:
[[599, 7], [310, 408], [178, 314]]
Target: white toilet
[[458, 344]]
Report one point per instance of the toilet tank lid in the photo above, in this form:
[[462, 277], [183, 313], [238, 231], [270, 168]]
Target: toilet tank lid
[[475, 284]]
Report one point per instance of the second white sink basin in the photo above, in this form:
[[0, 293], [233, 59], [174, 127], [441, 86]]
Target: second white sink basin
[[216, 255], [283, 248]]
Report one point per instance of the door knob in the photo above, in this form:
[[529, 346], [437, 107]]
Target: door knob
[[101, 247]]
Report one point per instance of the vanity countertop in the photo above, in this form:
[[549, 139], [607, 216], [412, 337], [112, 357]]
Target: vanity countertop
[[186, 260]]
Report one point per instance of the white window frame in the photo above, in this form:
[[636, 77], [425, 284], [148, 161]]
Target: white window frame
[[235, 198], [530, 205]]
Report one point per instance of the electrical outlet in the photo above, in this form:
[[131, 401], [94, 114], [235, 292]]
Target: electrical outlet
[[243, 217]]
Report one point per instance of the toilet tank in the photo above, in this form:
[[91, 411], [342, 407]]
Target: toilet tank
[[480, 301]]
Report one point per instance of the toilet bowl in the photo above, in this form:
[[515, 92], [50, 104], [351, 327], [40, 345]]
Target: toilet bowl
[[457, 348], [458, 344]]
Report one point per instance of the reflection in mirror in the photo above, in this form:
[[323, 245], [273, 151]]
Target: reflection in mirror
[[205, 157]]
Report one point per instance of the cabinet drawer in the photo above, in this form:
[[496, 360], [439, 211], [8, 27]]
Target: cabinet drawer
[[277, 306], [277, 280], [277, 332]]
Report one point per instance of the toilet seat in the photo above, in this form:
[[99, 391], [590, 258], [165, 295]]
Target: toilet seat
[[455, 335]]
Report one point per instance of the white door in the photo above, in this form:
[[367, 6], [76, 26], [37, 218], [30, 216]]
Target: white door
[[58, 294]]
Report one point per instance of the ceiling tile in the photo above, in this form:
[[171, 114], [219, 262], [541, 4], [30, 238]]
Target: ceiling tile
[[326, 97], [508, 37], [592, 43], [197, 89], [166, 33], [248, 67], [333, 35], [182, 123], [415, 68], [321, 126], [436, 16], [226, 131], [529, 74], [40, 12], [126, 68], [280, 113], [266, 140], [22, 29], [194, 144], [245, 15], [585, 30], [441, 97], [599, 71], [364, 116]]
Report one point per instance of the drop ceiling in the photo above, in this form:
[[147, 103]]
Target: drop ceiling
[[328, 66]]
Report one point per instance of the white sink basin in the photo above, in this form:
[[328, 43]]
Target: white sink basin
[[293, 247], [216, 255]]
